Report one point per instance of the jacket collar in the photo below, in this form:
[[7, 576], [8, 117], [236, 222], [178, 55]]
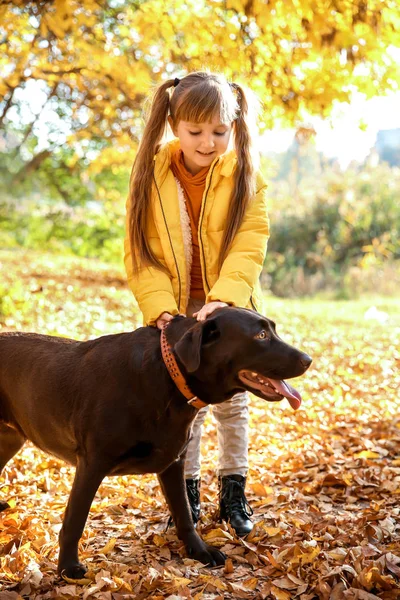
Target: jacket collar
[[162, 160]]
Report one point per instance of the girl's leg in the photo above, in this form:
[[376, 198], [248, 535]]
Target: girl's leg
[[192, 459], [232, 419], [232, 428]]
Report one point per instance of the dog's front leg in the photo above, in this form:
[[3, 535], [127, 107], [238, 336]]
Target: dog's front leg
[[173, 485], [87, 480]]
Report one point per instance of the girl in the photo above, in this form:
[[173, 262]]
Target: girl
[[197, 237]]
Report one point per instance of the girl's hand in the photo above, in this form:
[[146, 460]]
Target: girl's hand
[[207, 309], [163, 318]]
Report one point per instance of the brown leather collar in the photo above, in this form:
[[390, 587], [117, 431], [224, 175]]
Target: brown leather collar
[[175, 372]]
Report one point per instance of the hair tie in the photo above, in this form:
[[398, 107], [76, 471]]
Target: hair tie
[[176, 81]]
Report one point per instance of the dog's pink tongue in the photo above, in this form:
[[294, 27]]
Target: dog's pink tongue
[[288, 391]]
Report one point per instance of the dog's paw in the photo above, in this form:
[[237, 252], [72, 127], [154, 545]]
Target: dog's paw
[[208, 555], [76, 571], [218, 557]]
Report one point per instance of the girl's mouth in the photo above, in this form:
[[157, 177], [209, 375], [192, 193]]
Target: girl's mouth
[[205, 153]]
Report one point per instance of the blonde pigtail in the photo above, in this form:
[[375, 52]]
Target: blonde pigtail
[[244, 187], [141, 181]]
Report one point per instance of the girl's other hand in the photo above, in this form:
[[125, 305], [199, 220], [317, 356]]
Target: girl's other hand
[[163, 318], [207, 309]]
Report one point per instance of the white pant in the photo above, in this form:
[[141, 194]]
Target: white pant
[[232, 429]]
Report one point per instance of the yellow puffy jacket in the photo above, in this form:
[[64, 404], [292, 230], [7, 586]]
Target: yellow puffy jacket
[[168, 232]]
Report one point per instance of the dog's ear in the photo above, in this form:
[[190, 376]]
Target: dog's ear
[[188, 349]]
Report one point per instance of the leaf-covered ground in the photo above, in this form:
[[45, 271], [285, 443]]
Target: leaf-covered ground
[[324, 481]]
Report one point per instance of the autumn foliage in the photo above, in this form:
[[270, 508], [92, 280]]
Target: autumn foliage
[[324, 481], [93, 62]]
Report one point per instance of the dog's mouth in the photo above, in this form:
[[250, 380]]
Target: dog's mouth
[[270, 389]]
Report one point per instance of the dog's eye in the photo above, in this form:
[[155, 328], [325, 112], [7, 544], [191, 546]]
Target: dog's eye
[[263, 335]]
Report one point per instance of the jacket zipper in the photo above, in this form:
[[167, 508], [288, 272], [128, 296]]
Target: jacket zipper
[[202, 247], [170, 242], [200, 226]]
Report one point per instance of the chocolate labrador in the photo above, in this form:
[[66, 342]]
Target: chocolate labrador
[[110, 407]]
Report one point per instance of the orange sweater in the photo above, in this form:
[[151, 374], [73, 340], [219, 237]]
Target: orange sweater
[[193, 188]]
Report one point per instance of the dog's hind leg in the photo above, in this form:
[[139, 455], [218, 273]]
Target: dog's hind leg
[[173, 486], [10, 442], [88, 477]]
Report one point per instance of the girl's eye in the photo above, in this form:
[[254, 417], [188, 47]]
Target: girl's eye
[[215, 133], [263, 335]]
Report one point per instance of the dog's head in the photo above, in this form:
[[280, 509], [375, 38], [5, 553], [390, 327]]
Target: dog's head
[[236, 349]]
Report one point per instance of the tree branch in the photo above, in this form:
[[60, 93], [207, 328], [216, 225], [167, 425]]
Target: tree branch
[[28, 131], [7, 106], [31, 166]]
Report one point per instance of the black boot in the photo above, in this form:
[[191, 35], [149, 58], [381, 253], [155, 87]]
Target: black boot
[[233, 506], [193, 494]]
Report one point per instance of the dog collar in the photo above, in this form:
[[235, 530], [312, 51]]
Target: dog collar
[[176, 374]]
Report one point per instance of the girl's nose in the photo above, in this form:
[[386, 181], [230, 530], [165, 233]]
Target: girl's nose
[[208, 142]]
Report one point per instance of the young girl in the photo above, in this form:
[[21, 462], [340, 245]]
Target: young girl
[[197, 238]]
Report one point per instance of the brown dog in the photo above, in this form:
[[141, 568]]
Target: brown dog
[[109, 406]]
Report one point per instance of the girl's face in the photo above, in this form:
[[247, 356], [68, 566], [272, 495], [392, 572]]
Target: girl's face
[[201, 143]]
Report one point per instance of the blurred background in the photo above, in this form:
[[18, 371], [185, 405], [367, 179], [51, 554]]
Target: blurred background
[[74, 76]]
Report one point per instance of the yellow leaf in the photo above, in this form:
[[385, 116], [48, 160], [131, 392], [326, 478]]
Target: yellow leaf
[[261, 490], [367, 454], [217, 533], [109, 547], [271, 559], [159, 540], [83, 581], [311, 556], [55, 25], [228, 566], [181, 581], [337, 393], [251, 583], [122, 585], [271, 531], [279, 594], [213, 581]]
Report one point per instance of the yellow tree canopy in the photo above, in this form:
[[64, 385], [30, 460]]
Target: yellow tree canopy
[[96, 60]]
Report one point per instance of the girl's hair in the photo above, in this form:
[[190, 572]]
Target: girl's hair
[[198, 98]]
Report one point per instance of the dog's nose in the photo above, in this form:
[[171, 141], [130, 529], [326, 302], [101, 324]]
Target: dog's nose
[[305, 360]]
